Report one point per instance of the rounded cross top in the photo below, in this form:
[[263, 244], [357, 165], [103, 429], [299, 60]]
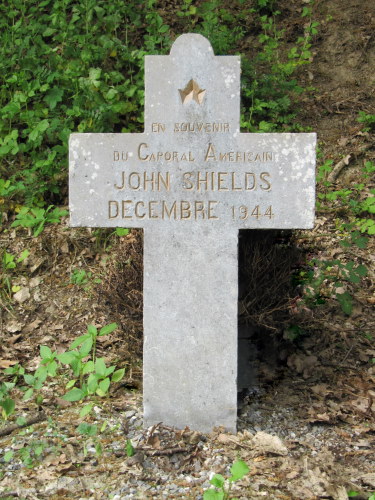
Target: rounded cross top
[[185, 43]]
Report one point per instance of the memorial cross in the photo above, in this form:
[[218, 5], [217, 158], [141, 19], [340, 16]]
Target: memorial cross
[[192, 180]]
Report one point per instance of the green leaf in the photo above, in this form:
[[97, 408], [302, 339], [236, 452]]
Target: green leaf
[[108, 329], [361, 270], [212, 494], [109, 370], [66, 358], [8, 456], [28, 394], [121, 231], [104, 385], [8, 406], [54, 96], [42, 372], [218, 480], [92, 330], [239, 469], [100, 367], [87, 429], [129, 448], [70, 384], [45, 352], [79, 340], [52, 369], [86, 347], [23, 255], [74, 395], [118, 375], [94, 73], [86, 410], [29, 379], [88, 367]]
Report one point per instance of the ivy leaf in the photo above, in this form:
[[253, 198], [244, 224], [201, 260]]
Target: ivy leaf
[[54, 96]]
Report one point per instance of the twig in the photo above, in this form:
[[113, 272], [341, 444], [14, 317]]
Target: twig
[[29, 421], [157, 453], [168, 451], [338, 167]]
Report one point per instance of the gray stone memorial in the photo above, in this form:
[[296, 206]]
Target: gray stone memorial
[[192, 180]]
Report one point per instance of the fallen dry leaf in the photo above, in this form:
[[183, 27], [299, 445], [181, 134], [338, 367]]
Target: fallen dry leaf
[[264, 443], [6, 363]]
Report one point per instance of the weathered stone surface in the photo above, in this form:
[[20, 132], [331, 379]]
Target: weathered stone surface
[[191, 180], [190, 319], [192, 166]]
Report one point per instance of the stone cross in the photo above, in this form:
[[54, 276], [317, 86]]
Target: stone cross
[[192, 180]]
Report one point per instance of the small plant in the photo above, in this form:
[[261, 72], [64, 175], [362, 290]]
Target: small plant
[[130, 451], [91, 431], [222, 486], [89, 338], [80, 277], [7, 404], [93, 375], [37, 218], [9, 262], [327, 278], [30, 454], [368, 120]]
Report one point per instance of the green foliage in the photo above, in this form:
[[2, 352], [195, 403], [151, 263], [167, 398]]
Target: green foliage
[[87, 429], [368, 120], [79, 277], [8, 264], [222, 487], [328, 279], [121, 231], [93, 374], [7, 404], [32, 454], [37, 218], [78, 68]]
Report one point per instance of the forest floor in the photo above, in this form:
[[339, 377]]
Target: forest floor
[[316, 397]]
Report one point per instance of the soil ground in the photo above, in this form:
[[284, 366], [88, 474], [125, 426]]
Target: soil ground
[[316, 395]]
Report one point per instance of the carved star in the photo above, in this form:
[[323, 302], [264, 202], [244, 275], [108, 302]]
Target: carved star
[[192, 92]]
